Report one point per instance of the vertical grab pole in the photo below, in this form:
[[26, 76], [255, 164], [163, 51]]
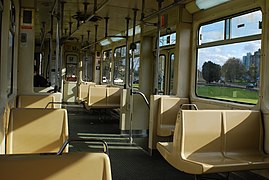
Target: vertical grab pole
[[127, 70], [131, 69], [50, 48], [57, 51], [61, 45]]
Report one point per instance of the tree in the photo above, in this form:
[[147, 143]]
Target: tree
[[211, 71], [233, 69]]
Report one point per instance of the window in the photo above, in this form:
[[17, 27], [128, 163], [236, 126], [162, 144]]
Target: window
[[71, 67], [136, 64], [161, 74], [11, 49], [246, 25], [166, 40], [119, 65], [106, 66], [171, 82], [211, 32], [228, 58], [87, 64]]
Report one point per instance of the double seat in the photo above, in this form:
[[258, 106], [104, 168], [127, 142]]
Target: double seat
[[83, 89], [34, 139], [104, 97], [210, 141]]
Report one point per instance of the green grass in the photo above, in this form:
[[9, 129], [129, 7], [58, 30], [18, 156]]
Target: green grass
[[227, 93], [136, 85]]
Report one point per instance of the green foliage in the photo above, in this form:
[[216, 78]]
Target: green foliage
[[211, 71], [233, 69]]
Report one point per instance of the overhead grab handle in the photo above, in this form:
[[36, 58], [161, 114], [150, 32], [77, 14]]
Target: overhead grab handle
[[83, 140], [188, 105]]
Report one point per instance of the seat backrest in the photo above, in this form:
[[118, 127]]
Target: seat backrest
[[83, 90], [167, 113], [82, 166], [113, 96], [35, 101], [97, 96], [242, 131], [201, 131], [33, 130]]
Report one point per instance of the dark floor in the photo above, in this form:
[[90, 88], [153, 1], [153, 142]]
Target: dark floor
[[128, 161]]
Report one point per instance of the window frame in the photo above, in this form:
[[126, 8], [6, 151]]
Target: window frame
[[227, 41]]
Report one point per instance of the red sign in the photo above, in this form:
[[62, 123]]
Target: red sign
[[26, 27]]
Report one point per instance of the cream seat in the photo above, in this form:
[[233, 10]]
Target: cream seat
[[167, 114], [33, 130], [199, 143], [83, 89], [244, 137], [36, 101], [80, 166], [97, 97], [113, 97], [104, 97]]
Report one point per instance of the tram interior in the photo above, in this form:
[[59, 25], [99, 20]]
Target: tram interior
[[128, 93]]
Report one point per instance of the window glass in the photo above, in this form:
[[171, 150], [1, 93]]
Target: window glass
[[171, 82], [166, 40], [10, 63], [87, 65], [231, 71], [246, 25], [119, 65], [161, 74], [11, 49], [71, 67], [211, 32], [136, 64], [106, 66]]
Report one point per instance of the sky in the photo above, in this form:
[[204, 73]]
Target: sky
[[241, 26]]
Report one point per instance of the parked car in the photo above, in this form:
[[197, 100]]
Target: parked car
[[250, 86]]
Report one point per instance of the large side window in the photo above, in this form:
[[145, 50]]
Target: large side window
[[11, 49], [228, 58], [119, 65]]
